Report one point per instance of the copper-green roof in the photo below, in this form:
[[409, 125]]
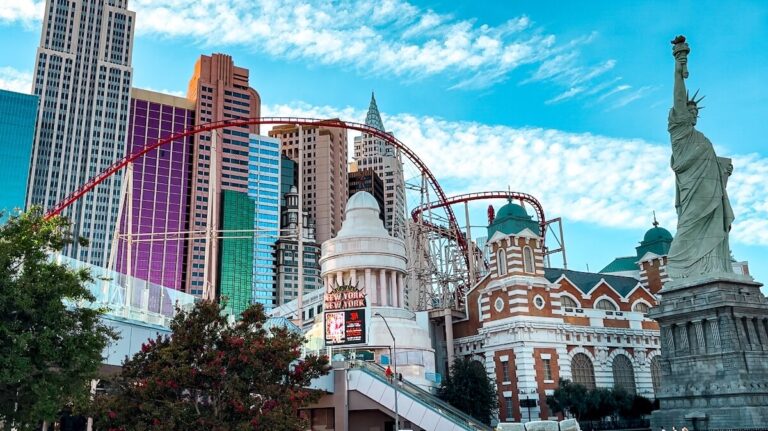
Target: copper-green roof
[[511, 220], [621, 264], [657, 233], [657, 240], [585, 281]]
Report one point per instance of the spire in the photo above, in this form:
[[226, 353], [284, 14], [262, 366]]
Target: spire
[[655, 223], [373, 118]]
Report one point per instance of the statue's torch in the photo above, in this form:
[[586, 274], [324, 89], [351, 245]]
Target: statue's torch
[[680, 50]]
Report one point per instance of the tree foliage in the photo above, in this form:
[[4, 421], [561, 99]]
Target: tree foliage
[[49, 349], [598, 403], [469, 389], [213, 375]]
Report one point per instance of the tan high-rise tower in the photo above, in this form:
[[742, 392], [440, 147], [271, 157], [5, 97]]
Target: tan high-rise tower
[[374, 153], [221, 92], [325, 173], [83, 77]]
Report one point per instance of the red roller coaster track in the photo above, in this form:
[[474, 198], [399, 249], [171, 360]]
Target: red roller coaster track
[[443, 202], [123, 162]]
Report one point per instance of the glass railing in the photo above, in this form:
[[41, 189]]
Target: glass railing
[[129, 297], [428, 400]]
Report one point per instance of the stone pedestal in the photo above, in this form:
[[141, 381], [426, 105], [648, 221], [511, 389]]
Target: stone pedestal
[[714, 354]]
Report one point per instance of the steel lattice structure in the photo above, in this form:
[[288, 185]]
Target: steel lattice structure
[[453, 200], [442, 280], [436, 262]]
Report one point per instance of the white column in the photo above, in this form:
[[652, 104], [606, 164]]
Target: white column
[[328, 282], [339, 278], [370, 289], [401, 288], [448, 319], [393, 288], [563, 360], [526, 381], [382, 287]]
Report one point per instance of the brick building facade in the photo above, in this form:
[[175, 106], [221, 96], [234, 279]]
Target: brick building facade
[[532, 325]]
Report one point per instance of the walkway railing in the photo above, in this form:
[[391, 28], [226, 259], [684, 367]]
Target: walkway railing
[[428, 400], [144, 301]]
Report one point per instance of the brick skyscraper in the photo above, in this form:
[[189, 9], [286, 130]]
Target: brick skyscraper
[[220, 91], [83, 78]]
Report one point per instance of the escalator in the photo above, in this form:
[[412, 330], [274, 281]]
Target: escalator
[[414, 405]]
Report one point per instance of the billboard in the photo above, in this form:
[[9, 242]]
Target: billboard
[[345, 327], [344, 307]]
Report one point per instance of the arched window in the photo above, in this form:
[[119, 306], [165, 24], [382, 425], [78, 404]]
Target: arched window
[[528, 260], [641, 307], [656, 375], [568, 302], [624, 374], [605, 304], [582, 371], [501, 262]]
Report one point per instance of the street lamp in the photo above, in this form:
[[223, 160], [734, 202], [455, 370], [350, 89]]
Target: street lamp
[[527, 401], [394, 363]]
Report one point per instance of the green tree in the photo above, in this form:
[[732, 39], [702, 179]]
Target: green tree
[[49, 349], [571, 398], [636, 406], [213, 375], [469, 389], [598, 403]]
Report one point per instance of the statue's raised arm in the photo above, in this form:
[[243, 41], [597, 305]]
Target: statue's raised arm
[[680, 50]]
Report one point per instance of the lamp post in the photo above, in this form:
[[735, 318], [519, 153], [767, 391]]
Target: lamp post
[[394, 363]]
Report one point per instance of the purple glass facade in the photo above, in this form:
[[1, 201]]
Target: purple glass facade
[[160, 191]]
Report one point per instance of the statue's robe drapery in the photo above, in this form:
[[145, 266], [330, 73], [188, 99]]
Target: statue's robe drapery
[[704, 215]]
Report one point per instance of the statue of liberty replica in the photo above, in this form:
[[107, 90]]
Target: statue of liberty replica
[[703, 211], [713, 322]]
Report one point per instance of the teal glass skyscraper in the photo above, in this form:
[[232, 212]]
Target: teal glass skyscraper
[[264, 188], [17, 131]]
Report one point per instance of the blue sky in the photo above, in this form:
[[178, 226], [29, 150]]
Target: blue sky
[[567, 103]]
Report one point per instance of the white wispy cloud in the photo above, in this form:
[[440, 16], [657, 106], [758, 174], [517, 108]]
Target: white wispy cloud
[[177, 93], [27, 12], [389, 37], [635, 94], [20, 81], [571, 92], [15, 80], [613, 182], [614, 90]]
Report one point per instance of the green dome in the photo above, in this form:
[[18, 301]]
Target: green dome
[[511, 220], [657, 234], [512, 210], [657, 240]]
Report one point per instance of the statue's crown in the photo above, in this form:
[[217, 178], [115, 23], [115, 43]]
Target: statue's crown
[[693, 101]]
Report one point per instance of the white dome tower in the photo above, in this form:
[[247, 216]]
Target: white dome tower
[[363, 257], [363, 254]]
